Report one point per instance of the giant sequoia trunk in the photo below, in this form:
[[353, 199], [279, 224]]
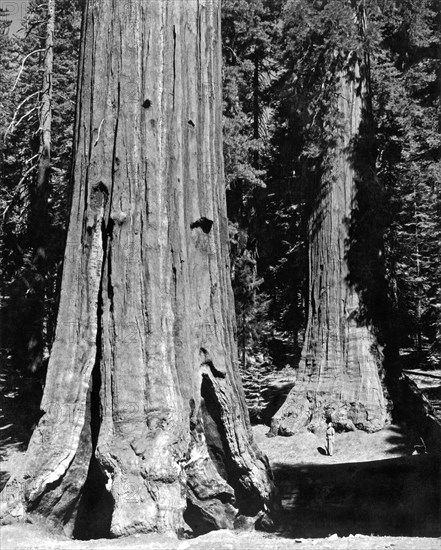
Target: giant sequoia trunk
[[339, 372], [144, 424]]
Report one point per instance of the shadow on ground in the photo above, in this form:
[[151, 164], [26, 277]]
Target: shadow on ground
[[392, 497], [401, 439]]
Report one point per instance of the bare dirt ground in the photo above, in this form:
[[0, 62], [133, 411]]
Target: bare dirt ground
[[365, 497], [31, 537], [392, 442]]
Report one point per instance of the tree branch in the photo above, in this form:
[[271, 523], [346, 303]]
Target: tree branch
[[11, 125], [5, 211], [22, 66]]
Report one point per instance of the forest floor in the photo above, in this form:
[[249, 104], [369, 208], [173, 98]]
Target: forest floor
[[371, 494]]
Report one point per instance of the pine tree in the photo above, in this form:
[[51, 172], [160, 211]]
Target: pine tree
[[407, 100], [33, 223]]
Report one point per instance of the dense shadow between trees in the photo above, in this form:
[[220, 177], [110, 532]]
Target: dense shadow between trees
[[390, 497], [401, 440], [366, 228]]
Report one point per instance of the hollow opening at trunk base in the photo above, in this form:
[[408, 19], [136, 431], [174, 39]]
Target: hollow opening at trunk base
[[96, 506]]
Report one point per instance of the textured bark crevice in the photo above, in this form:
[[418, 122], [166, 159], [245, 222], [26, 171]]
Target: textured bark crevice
[[146, 312], [226, 481], [340, 372], [95, 506]]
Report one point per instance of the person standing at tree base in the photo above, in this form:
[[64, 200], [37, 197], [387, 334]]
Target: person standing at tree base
[[330, 433]]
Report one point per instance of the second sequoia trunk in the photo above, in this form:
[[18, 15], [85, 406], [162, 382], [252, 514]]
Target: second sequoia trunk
[[339, 376], [144, 423]]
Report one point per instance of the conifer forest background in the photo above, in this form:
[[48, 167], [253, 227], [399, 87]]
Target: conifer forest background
[[280, 62]]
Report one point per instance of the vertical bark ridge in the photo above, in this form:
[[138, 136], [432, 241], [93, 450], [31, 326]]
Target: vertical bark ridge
[[340, 372], [150, 291]]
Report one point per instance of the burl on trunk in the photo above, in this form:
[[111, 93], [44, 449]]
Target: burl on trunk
[[144, 424], [339, 375]]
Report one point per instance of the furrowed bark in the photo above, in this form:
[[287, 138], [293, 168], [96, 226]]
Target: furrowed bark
[[339, 375], [145, 426]]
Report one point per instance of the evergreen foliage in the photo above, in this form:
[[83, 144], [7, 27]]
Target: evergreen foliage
[[406, 96], [28, 271], [280, 62]]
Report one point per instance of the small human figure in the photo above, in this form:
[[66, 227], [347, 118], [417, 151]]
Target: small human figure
[[330, 433]]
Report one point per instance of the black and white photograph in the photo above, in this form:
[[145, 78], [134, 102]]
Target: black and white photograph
[[220, 266]]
